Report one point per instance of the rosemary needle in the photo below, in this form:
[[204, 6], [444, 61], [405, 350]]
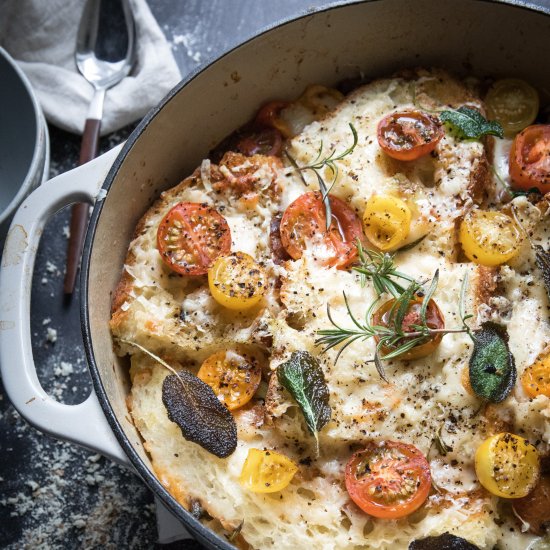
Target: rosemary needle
[[319, 164], [380, 270]]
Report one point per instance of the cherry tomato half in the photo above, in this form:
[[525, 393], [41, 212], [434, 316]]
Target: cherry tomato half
[[513, 103], [191, 236], [489, 238], [385, 314], [536, 377], [409, 135], [507, 465], [530, 159], [260, 141], [233, 375], [388, 479], [267, 471], [386, 221], [303, 226], [237, 281], [270, 116]]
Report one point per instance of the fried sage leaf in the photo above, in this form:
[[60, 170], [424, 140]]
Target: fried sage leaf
[[543, 262], [303, 377], [471, 124], [194, 407], [446, 541], [492, 366]]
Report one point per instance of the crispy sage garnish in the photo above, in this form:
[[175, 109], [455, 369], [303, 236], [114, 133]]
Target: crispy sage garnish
[[442, 542], [194, 407], [303, 377], [543, 262], [471, 124], [492, 366]]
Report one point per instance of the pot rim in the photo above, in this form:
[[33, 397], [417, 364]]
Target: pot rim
[[205, 534]]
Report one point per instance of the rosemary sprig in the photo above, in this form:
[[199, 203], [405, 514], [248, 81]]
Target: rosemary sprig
[[379, 268], [319, 164], [393, 336], [463, 316]]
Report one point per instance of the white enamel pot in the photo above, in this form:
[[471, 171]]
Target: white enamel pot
[[368, 38]]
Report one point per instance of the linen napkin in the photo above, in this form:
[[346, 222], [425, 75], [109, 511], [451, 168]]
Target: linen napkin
[[41, 36]]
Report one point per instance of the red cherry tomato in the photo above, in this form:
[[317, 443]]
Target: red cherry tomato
[[270, 115], [260, 141], [530, 159], [434, 319], [409, 135], [388, 479], [303, 226], [191, 236]]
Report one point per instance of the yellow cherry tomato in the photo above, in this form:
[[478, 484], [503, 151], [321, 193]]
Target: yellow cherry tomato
[[386, 221], [507, 465], [320, 100], [513, 103], [267, 471], [233, 375], [536, 378], [489, 238], [237, 281]]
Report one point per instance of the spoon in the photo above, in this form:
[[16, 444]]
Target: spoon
[[105, 54]]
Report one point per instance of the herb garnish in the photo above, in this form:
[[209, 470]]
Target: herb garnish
[[471, 124], [542, 258], [492, 366], [380, 269], [327, 162], [303, 377], [236, 532], [195, 408], [442, 447], [515, 192], [446, 540]]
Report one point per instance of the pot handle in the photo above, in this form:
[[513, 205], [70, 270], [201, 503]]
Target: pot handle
[[83, 424]]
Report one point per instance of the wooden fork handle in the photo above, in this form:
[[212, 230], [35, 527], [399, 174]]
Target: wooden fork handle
[[79, 212]]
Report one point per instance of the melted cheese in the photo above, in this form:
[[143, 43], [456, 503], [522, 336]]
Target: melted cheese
[[177, 317]]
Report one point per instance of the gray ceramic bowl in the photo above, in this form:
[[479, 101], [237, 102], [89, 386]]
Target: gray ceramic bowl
[[24, 144]]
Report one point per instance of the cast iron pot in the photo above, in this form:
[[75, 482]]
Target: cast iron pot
[[358, 38]]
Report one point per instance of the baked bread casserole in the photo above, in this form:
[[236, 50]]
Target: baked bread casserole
[[380, 381]]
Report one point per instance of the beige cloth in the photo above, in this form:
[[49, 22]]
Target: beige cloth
[[41, 36]]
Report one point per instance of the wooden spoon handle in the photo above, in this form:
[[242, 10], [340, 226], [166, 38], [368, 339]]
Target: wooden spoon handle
[[90, 140], [79, 212]]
